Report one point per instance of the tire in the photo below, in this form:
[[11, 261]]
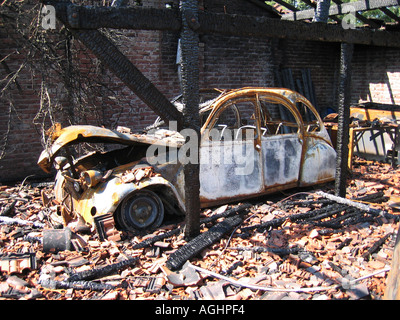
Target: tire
[[141, 210]]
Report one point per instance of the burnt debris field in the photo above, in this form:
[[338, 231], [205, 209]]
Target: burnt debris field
[[303, 244]]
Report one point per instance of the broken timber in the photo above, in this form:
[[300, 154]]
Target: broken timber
[[81, 17], [344, 98], [278, 251], [358, 205], [376, 246], [101, 272], [77, 285], [177, 259], [343, 8], [148, 242]]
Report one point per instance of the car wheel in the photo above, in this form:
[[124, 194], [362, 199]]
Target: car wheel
[[141, 210]]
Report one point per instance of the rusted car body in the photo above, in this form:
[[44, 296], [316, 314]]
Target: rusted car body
[[253, 141]]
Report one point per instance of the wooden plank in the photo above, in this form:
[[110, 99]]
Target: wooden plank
[[344, 95], [343, 9], [189, 41], [220, 23], [287, 5], [392, 291], [238, 25], [390, 14], [361, 17]]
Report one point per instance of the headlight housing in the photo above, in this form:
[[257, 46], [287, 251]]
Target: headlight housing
[[92, 177]]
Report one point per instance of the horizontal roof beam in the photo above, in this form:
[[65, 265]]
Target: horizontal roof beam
[[390, 14], [287, 5], [79, 17], [344, 8], [275, 28], [360, 17]]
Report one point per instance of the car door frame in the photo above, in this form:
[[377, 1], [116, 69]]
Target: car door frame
[[319, 155], [280, 170], [220, 195]]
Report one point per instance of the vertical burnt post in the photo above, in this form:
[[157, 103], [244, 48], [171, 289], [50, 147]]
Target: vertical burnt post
[[346, 54], [322, 11], [191, 120]]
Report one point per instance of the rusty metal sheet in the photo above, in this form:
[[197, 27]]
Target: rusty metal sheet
[[86, 133], [372, 114], [106, 197], [319, 163], [229, 169], [281, 159], [376, 141]]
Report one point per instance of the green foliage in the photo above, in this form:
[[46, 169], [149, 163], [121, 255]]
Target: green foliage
[[372, 14], [295, 3]]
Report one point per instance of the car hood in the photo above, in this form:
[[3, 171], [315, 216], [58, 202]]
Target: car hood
[[86, 133]]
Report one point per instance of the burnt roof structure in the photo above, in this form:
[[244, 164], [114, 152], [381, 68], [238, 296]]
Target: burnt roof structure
[[340, 8], [292, 25]]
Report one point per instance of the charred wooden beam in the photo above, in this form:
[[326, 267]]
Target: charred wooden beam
[[342, 148], [287, 5], [322, 11], [189, 43], [360, 17], [219, 23], [344, 8], [101, 272], [390, 14], [77, 285], [377, 244], [80, 17], [239, 25], [149, 241], [178, 258]]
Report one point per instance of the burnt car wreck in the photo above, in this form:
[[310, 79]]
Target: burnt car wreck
[[253, 141]]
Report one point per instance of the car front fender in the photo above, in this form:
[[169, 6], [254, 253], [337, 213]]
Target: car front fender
[[107, 196]]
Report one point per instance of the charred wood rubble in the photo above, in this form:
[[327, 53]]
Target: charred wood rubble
[[308, 244]]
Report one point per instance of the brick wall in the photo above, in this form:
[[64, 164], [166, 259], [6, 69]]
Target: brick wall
[[19, 104], [375, 70], [321, 58], [376, 75], [234, 62]]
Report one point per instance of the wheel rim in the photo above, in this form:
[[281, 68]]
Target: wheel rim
[[141, 210]]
